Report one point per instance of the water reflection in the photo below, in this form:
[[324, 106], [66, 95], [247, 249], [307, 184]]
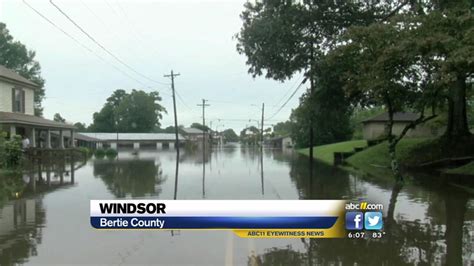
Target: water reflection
[[132, 177], [22, 220], [427, 222], [443, 237]]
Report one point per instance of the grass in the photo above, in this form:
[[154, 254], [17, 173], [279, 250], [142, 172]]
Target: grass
[[376, 160], [467, 169], [325, 153]]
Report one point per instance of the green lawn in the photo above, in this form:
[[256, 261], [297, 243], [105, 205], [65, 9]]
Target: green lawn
[[410, 152], [467, 169], [325, 153], [376, 160]]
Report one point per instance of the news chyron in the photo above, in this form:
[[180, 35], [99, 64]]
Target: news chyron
[[246, 218]]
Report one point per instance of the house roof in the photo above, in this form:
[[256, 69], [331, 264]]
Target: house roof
[[24, 119], [9, 75], [397, 117], [132, 136], [192, 130]]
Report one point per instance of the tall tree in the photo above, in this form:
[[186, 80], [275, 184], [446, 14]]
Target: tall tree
[[15, 56], [137, 111], [386, 70], [446, 38]]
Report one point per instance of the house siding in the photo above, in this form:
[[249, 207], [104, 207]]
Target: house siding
[[29, 105], [6, 98]]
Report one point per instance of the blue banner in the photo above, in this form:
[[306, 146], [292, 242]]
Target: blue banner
[[212, 222]]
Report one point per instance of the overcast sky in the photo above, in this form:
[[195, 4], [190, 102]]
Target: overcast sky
[[194, 38]]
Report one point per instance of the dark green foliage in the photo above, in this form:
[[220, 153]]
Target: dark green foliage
[[200, 127], [284, 37], [13, 152], [99, 153], [86, 151], [58, 118], [81, 127], [330, 115], [11, 185], [230, 135], [111, 153], [15, 56], [122, 180], [282, 129], [135, 112]]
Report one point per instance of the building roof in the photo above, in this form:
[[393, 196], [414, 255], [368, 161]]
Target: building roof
[[31, 120], [13, 77], [192, 130], [133, 136], [80, 136], [397, 117]]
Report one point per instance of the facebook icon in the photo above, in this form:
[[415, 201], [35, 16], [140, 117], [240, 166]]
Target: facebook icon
[[354, 220]]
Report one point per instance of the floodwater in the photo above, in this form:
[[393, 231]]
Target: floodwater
[[427, 222]]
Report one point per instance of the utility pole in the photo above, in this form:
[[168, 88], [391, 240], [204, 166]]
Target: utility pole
[[261, 126], [204, 104], [172, 75]]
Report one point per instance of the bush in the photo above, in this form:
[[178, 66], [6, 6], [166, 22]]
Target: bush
[[85, 151], [10, 151], [99, 153], [111, 153]]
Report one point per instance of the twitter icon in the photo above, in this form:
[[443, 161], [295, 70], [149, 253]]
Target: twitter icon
[[373, 221]]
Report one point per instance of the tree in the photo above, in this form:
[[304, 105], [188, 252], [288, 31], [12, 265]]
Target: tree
[[230, 135], [250, 135], [59, 118], [137, 111], [81, 127], [386, 71], [200, 127], [281, 37], [282, 129], [15, 56], [446, 38]]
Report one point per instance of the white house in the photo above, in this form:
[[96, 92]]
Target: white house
[[17, 113]]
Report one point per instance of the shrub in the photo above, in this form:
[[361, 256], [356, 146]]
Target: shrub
[[12, 152], [85, 151], [111, 153], [99, 153]]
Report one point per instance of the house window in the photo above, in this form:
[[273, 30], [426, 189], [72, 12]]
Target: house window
[[18, 100]]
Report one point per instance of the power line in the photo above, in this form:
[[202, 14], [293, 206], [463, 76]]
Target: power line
[[134, 29], [291, 96], [102, 47], [81, 44], [182, 101], [287, 92]]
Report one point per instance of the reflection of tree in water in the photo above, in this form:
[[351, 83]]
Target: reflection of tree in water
[[136, 178], [327, 182], [21, 231], [278, 256], [405, 243], [22, 219], [10, 184]]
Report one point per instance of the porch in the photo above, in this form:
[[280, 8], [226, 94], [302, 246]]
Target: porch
[[42, 133]]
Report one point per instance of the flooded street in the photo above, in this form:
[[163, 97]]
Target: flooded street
[[49, 221]]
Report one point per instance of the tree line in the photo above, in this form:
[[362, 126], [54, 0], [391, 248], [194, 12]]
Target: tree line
[[401, 55]]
